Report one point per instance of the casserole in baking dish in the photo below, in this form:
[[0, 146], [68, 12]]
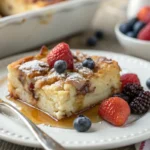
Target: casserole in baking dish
[[10, 7], [32, 29]]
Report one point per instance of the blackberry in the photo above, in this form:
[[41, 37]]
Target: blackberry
[[123, 96], [132, 90], [141, 104]]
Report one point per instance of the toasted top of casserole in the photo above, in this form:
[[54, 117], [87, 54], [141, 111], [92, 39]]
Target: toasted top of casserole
[[36, 68]]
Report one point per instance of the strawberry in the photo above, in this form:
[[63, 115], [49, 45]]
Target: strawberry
[[144, 34], [114, 110], [129, 78], [144, 14], [60, 52]]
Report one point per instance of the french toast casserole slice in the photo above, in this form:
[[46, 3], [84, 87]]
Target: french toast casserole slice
[[32, 81]]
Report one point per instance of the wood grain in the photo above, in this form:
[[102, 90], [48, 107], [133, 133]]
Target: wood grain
[[9, 146]]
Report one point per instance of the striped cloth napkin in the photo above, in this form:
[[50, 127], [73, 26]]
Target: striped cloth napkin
[[143, 145]]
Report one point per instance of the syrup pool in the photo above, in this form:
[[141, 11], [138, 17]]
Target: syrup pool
[[39, 117]]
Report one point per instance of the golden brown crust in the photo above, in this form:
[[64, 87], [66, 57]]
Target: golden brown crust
[[103, 66], [102, 63]]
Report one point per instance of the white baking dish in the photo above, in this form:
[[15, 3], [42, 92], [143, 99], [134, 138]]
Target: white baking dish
[[31, 29]]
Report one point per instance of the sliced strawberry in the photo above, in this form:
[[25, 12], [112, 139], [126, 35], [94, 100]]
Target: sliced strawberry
[[115, 110]]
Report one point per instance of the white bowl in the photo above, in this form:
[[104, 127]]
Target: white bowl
[[135, 47]]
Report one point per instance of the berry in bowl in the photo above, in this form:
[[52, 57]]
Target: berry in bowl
[[134, 34]]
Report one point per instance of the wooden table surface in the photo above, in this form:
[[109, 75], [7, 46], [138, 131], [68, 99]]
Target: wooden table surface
[[108, 43]]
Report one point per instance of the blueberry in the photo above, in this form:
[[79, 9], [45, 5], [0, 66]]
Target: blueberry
[[132, 21], [131, 34], [92, 41], [99, 34], [60, 66], [123, 96], [82, 123], [138, 26], [89, 63], [126, 27], [148, 83]]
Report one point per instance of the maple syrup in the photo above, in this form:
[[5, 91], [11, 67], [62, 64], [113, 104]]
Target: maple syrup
[[39, 117]]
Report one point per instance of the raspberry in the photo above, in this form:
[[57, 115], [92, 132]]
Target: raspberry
[[60, 52], [141, 104], [129, 78], [144, 34], [132, 90], [114, 110]]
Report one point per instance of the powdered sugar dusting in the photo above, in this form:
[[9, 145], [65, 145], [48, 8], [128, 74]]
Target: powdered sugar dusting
[[75, 76], [34, 65], [83, 70], [104, 59], [55, 74], [76, 79]]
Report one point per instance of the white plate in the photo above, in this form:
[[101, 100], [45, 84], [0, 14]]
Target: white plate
[[101, 135]]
